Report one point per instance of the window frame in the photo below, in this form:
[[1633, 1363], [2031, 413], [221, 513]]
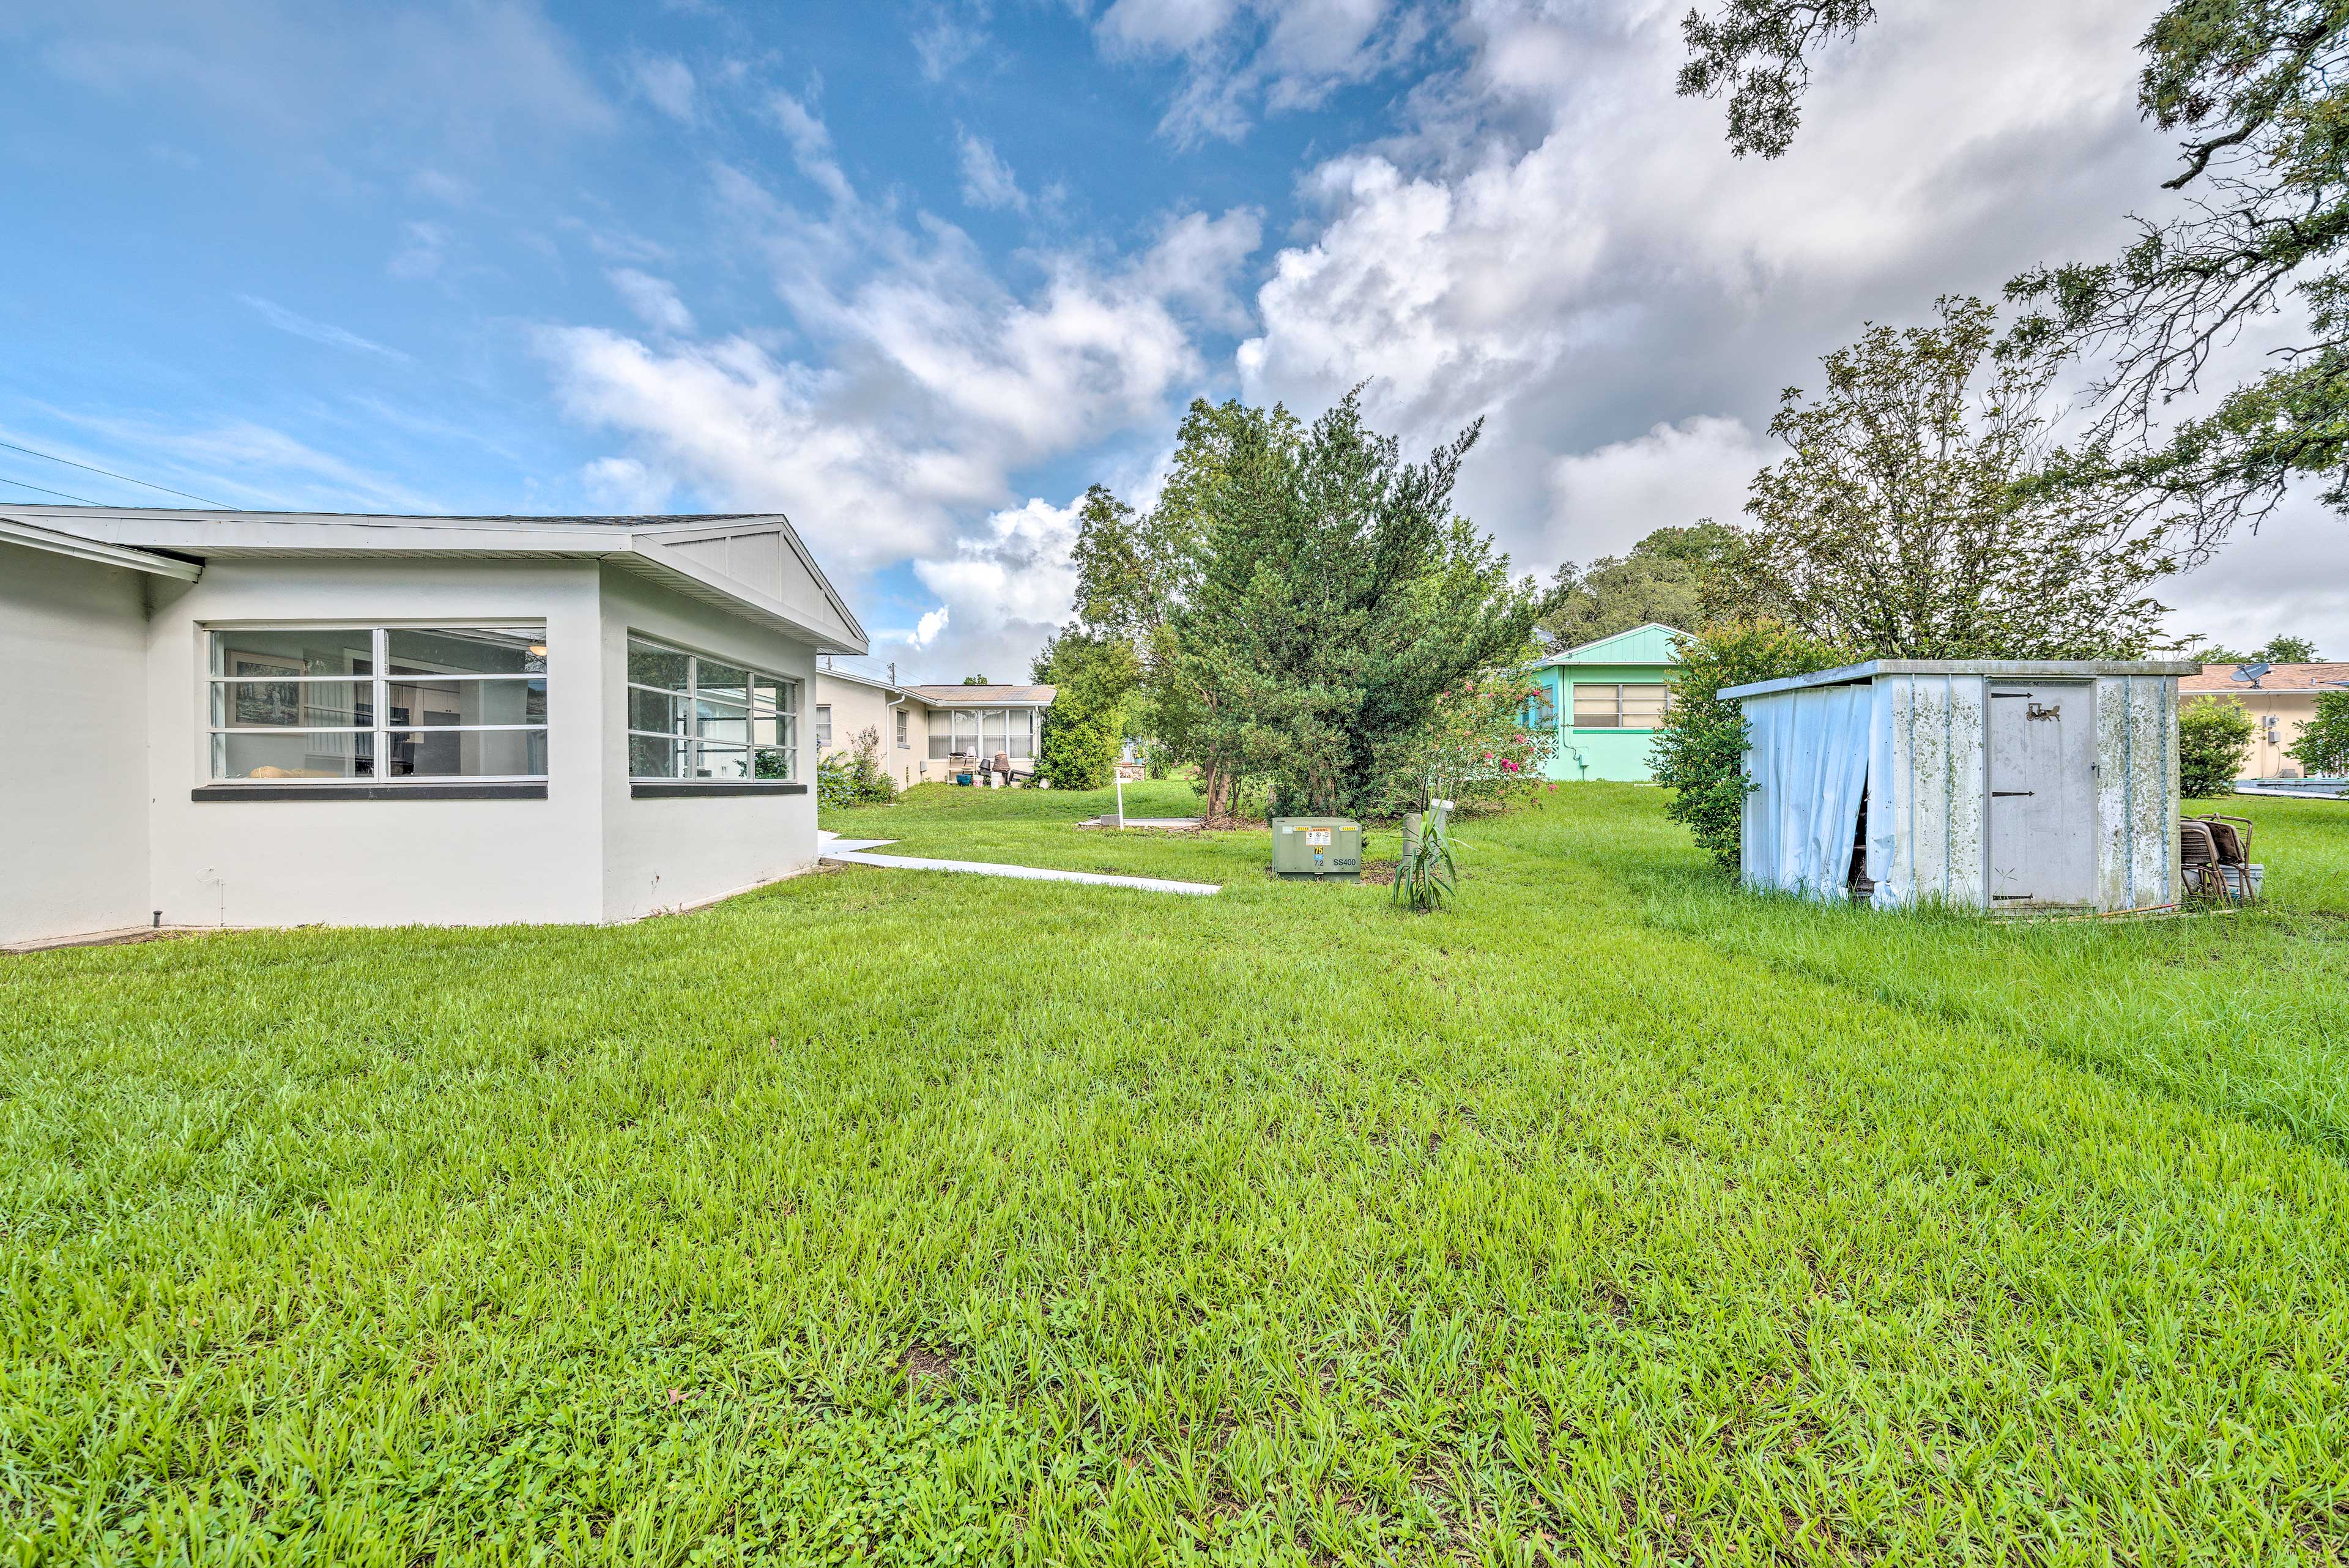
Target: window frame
[[823, 726], [786, 712], [1617, 688], [378, 681]]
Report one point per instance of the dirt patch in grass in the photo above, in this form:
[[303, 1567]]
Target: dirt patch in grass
[[924, 1367]]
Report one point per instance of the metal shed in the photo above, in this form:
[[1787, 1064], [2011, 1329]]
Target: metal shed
[[2000, 785]]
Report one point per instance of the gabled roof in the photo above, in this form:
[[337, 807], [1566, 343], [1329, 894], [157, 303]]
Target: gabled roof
[[1649, 644], [983, 696], [2279, 678], [752, 564]]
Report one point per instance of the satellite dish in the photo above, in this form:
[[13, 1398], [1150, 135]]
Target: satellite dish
[[2252, 673]]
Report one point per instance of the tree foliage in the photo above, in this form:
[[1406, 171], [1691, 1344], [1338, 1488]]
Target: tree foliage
[[1093, 677], [2214, 736], [2258, 91], [1674, 575], [1298, 603], [1700, 752], [1759, 53], [1913, 518], [2322, 748], [2280, 649]]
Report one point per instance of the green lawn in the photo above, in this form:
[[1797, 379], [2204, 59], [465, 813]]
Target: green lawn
[[1613, 1217]]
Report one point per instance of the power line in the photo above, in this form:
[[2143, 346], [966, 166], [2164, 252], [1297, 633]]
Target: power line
[[110, 474], [46, 491]]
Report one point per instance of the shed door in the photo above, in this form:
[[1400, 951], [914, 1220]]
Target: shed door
[[2042, 794]]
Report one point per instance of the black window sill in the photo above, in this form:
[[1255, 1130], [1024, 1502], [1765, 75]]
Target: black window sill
[[369, 792], [688, 789]]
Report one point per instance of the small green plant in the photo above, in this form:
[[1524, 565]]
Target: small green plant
[[1426, 875], [855, 777], [2214, 736]]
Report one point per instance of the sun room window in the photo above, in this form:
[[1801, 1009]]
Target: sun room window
[[693, 717], [378, 704], [982, 732]]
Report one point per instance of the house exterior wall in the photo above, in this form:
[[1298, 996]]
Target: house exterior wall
[[2281, 716], [1595, 754], [342, 860], [668, 852], [73, 789], [856, 706]]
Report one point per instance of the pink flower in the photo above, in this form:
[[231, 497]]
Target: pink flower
[[1510, 763]]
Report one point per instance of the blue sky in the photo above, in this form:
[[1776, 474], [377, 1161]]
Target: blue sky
[[917, 274]]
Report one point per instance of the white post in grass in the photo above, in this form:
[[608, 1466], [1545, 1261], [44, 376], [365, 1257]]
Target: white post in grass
[[1119, 777]]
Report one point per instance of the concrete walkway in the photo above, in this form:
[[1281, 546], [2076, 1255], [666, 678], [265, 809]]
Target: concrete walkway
[[836, 851]]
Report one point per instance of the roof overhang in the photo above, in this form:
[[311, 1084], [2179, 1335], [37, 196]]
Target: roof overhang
[[1995, 668], [32, 535], [643, 552]]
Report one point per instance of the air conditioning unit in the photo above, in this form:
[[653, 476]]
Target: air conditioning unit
[[1317, 847]]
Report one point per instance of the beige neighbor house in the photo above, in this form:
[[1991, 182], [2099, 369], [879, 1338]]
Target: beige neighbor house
[[929, 735], [261, 719], [2281, 702]]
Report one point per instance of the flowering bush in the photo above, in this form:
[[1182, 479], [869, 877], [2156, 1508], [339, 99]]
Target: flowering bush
[[1488, 743]]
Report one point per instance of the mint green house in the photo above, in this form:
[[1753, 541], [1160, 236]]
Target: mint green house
[[1605, 700]]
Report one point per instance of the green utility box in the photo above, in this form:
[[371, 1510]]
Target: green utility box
[[1316, 847]]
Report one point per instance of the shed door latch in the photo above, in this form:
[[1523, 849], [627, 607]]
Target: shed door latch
[[2045, 711]]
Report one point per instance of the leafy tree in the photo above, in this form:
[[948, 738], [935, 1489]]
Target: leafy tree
[[2277, 650], [2322, 747], [2214, 736], [1913, 520], [976, 680], [1758, 52], [1700, 752], [2282, 650], [1672, 576], [1092, 677], [2259, 92], [1334, 599]]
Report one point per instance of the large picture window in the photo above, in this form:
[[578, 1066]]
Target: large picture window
[[981, 732], [1613, 707], [691, 717], [329, 704]]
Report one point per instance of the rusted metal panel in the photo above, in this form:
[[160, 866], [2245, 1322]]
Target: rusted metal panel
[[2137, 792], [1926, 821]]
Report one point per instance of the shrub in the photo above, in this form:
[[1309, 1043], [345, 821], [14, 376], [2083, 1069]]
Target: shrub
[[1700, 751], [2214, 736], [1489, 742], [2323, 745], [855, 777]]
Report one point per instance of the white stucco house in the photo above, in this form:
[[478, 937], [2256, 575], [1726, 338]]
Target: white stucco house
[[260, 718], [928, 734]]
